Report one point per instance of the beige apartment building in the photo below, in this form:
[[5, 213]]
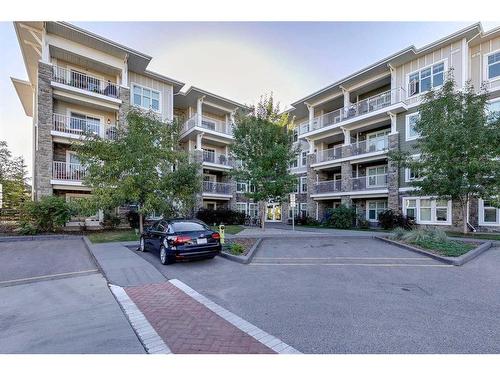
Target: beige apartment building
[[79, 81]]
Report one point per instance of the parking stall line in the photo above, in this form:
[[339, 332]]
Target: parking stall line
[[353, 264], [55, 275], [346, 258]]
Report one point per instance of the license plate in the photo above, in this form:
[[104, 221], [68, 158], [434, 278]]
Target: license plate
[[201, 241]]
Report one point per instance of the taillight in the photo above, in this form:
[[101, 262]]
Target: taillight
[[177, 240], [216, 236]]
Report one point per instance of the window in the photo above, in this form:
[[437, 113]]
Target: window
[[241, 187], [241, 207], [411, 131], [426, 79], [296, 187], [411, 175], [187, 226], [493, 110], [82, 123], [494, 65], [428, 210], [146, 98], [374, 208], [303, 184], [303, 209], [488, 214], [295, 135], [303, 158], [253, 210], [377, 176], [294, 163], [378, 141]]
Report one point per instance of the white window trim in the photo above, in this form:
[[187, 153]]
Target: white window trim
[[302, 158], [147, 88], [242, 183], [375, 167], [367, 214], [407, 126], [481, 216], [407, 78], [240, 204], [433, 220], [303, 204], [485, 67], [301, 184]]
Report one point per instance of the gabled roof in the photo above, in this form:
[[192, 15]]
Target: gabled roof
[[191, 95]]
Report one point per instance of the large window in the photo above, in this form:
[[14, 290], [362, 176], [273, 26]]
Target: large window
[[253, 210], [411, 131], [303, 209], [426, 79], [493, 110], [303, 184], [428, 210], [377, 176], [494, 65], [488, 214], [374, 208], [241, 207], [146, 98]]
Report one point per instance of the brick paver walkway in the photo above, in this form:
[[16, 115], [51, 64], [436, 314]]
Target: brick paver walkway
[[186, 325]]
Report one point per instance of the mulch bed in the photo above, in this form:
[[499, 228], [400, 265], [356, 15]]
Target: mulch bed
[[247, 243]]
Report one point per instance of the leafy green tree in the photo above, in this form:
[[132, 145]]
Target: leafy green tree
[[459, 146], [264, 144], [13, 177], [144, 165]]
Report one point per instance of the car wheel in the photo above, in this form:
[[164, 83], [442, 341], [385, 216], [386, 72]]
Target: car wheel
[[164, 258], [142, 244]]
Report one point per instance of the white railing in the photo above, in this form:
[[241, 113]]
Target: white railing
[[79, 126], [217, 158], [353, 149], [368, 105], [329, 186], [208, 123], [329, 154], [369, 182], [68, 171], [85, 82], [216, 187]]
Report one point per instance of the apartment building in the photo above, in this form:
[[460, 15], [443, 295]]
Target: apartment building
[[351, 125], [80, 82]]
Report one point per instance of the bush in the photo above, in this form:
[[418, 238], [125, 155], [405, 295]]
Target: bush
[[362, 222], [236, 248], [133, 219], [216, 217], [46, 215], [305, 220], [110, 220], [399, 233], [388, 220], [341, 217]]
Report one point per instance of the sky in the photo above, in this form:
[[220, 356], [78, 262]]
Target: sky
[[237, 60]]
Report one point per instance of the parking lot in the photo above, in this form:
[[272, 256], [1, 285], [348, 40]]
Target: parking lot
[[355, 295]]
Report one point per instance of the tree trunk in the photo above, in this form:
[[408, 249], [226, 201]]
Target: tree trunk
[[464, 215], [141, 225], [262, 214]]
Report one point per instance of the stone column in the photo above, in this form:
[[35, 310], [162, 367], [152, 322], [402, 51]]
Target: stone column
[[346, 175], [311, 186], [393, 177], [42, 170], [197, 158], [124, 96]]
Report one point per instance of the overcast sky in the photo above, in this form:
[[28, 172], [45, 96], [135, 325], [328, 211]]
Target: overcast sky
[[239, 61]]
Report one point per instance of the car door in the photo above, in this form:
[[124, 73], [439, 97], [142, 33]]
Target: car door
[[157, 235]]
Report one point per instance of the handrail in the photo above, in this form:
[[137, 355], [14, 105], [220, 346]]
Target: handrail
[[85, 81]]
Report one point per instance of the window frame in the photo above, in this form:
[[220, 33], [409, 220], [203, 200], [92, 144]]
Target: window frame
[[303, 158], [245, 190], [433, 207], [376, 208], [481, 215], [487, 66], [302, 184], [419, 71], [151, 98], [240, 204], [407, 126]]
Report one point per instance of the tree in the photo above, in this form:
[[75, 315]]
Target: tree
[[263, 142], [13, 177], [143, 165], [459, 146]]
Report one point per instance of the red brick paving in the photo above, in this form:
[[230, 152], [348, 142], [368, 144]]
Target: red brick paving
[[187, 326]]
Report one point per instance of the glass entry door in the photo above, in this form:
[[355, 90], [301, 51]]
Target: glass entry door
[[273, 212]]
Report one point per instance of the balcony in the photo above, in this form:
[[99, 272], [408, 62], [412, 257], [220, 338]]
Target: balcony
[[355, 110], [378, 144], [219, 188], [378, 181], [330, 186], [209, 124], [373, 182], [218, 159], [68, 171], [85, 82], [75, 127]]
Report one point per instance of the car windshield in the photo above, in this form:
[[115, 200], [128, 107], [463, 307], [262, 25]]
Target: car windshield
[[187, 226]]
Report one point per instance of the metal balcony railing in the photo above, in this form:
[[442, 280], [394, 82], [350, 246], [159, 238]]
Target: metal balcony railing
[[217, 158], [79, 126], [208, 123], [369, 182], [362, 107], [327, 186], [216, 187], [358, 148], [85, 82], [68, 171]]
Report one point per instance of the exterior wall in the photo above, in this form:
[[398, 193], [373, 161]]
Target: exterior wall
[[477, 62], [64, 108], [42, 169], [166, 92], [91, 72]]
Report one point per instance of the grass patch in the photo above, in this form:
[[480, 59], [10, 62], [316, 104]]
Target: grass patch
[[113, 236], [479, 236], [238, 246], [445, 248], [229, 229]]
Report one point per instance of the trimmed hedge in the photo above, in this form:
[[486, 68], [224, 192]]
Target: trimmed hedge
[[222, 216]]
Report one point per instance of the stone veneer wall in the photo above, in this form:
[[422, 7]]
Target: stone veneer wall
[[124, 95], [393, 202], [311, 186], [43, 143]]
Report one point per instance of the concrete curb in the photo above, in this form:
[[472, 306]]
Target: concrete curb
[[263, 337], [40, 238], [246, 258], [88, 245], [455, 261]]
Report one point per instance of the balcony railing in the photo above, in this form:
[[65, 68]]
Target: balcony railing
[[216, 187], [360, 108], [357, 148], [79, 126], [217, 158], [68, 171], [329, 186], [85, 82], [369, 182], [208, 123]]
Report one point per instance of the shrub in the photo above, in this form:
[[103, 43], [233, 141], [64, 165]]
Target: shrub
[[362, 222], [110, 220], [48, 214], [236, 248], [305, 220], [223, 216], [425, 235], [133, 219], [388, 220], [398, 233], [341, 217]]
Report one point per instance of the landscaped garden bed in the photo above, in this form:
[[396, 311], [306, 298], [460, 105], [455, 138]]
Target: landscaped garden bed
[[238, 246]]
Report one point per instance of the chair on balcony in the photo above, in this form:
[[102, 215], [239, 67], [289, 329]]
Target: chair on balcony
[[222, 159], [111, 90]]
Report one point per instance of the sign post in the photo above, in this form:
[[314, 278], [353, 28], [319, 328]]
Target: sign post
[[292, 205], [222, 233]]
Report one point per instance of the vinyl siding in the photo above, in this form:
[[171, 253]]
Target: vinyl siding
[[166, 91]]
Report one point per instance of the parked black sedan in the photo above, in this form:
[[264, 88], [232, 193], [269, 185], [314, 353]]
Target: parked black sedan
[[180, 239]]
